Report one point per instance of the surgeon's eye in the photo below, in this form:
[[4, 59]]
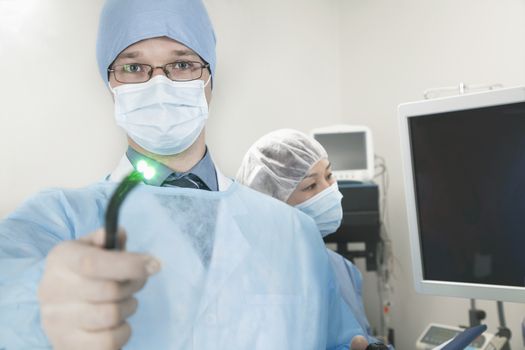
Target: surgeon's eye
[[330, 176], [183, 65], [132, 68]]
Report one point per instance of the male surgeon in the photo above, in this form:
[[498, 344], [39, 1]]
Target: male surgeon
[[204, 263]]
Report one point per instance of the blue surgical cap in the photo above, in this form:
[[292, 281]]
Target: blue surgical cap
[[125, 22]]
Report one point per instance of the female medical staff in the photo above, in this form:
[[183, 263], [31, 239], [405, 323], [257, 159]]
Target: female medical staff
[[294, 168]]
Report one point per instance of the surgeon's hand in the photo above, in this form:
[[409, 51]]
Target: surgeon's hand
[[358, 343], [86, 293]]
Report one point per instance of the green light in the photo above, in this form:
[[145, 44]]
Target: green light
[[147, 171], [142, 166]]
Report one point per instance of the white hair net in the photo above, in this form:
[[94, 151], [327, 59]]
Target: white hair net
[[277, 162]]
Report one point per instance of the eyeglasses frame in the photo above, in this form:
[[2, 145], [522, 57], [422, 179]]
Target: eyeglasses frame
[[150, 74]]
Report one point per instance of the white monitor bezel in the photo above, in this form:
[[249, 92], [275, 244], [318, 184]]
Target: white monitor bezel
[[441, 105], [356, 174]]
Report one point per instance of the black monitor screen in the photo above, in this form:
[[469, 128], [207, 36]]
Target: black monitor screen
[[469, 175], [347, 151]]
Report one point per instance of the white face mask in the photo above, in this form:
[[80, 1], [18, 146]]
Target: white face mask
[[162, 116], [325, 208]]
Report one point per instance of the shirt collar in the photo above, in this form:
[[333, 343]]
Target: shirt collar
[[204, 169]]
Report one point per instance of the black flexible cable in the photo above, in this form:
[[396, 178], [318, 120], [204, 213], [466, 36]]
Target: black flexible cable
[[112, 211]]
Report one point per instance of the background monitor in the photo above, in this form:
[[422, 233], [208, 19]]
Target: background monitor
[[349, 149], [464, 170]]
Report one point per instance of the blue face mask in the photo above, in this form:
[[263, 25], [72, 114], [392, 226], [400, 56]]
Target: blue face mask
[[325, 208]]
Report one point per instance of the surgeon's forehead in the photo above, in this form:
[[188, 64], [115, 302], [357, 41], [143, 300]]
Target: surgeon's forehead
[[156, 47]]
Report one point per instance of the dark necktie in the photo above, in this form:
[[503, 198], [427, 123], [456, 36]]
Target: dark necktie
[[188, 181]]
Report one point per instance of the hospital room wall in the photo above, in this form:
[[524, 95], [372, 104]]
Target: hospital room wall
[[275, 68], [279, 67], [294, 63], [391, 52], [57, 128]]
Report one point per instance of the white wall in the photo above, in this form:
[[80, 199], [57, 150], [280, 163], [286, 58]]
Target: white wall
[[56, 115], [391, 52], [278, 66], [293, 63]]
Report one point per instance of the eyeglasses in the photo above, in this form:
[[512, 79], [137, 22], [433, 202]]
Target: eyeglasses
[[134, 73]]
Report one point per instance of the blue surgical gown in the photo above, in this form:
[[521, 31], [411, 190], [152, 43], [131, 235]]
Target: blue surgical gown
[[240, 270]]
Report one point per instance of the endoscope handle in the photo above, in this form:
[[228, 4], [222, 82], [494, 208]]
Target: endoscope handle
[[112, 211]]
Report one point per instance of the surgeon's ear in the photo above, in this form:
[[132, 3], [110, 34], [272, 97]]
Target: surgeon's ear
[[207, 93]]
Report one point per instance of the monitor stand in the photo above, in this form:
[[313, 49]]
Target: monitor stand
[[476, 316]]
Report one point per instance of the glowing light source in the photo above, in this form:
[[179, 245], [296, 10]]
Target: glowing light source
[[142, 165], [147, 171]]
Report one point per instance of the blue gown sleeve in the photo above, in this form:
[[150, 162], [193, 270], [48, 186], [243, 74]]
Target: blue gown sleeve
[[349, 280], [26, 237], [344, 322], [357, 281]]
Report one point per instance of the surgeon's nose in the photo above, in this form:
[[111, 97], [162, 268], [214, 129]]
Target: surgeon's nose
[[325, 183], [323, 186], [158, 71]]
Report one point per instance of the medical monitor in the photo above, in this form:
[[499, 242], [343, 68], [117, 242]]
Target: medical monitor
[[464, 172], [349, 149]]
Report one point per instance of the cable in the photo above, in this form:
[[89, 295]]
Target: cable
[[118, 197], [384, 254], [143, 171]]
